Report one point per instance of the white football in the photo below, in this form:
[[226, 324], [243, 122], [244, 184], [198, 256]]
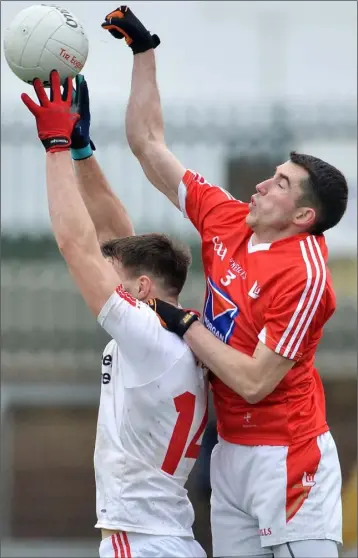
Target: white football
[[42, 38]]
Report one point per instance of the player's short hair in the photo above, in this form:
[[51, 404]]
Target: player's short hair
[[154, 254], [325, 190]]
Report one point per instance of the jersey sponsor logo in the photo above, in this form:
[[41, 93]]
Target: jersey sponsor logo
[[247, 421], [308, 479], [219, 247], [219, 312], [126, 296], [107, 360], [237, 268], [254, 292], [106, 378], [265, 532]]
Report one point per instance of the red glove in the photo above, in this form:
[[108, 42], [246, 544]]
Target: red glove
[[54, 119]]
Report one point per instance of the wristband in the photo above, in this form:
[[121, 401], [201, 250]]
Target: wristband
[[82, 153]]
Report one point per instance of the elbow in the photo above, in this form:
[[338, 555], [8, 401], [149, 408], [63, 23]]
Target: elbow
[[254, 394], [70, 247], [142, 144], [251, 397], [67, 247], [136, 144]]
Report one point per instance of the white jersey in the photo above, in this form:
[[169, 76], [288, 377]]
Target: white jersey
[[152, 415]]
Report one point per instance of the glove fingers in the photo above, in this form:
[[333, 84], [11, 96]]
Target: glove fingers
[[69, 90], [40, 92], [65, 91], [55, 85], [79, 80], [84, 100], [117, 32], [118, 13], [33, 107], [156, 41]]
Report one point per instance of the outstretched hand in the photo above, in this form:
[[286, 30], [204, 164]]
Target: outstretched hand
[[54, 118], [81, 144]]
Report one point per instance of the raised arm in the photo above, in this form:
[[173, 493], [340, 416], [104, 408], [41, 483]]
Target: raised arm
[[144, 120], [145, 130], [107, 212], [71, 223]]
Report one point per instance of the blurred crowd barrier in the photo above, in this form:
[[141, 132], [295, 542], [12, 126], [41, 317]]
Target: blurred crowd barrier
[[52, 346]]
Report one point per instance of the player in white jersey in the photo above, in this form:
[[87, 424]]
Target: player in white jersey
[[153, 406]]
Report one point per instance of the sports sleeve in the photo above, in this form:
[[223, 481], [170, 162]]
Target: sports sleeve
[[208, 206], [142, 340], [296, 315]]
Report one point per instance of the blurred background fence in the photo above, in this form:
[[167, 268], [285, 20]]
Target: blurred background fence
[[51, 345]]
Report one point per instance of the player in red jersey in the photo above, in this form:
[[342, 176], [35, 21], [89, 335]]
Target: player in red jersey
[[275, 472]]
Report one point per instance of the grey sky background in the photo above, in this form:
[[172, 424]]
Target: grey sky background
[[227, 50]]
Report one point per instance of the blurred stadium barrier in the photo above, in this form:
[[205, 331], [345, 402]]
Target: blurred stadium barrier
[[51, 345]]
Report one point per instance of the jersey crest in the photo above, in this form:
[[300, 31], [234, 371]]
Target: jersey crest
[[219, 312]]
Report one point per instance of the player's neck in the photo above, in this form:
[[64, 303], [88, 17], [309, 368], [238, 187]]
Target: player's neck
[[268, 236], [170, 300]]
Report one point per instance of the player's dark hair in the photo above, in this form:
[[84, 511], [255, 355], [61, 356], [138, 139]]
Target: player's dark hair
[[152, 254], [325, 190]]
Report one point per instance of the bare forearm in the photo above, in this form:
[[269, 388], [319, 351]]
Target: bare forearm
[[71, 222], [108, 214], [145, 129], [144, 120], [235, 369]]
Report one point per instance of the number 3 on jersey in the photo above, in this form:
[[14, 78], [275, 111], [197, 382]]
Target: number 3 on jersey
[[185, 407]]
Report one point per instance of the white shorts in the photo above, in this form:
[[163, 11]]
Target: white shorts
[[138, 545], [264, 496]]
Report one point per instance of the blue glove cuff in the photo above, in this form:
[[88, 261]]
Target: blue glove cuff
[[83, 153]]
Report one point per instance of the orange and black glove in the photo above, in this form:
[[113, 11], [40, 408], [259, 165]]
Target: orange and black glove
[[177, 320], [122, 23], [54, 119]]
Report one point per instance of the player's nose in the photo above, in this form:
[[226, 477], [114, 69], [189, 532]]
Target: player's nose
[[262, 187]]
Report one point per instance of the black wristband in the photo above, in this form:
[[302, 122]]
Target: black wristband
[[59, 141], [186, 321], [146, 43]]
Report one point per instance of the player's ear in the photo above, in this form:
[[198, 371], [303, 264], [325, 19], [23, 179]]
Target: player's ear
[[304, 217], [145, 286]]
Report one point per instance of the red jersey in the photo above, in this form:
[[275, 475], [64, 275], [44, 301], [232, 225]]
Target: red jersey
[[279, 293]]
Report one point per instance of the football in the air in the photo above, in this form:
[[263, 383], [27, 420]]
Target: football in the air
[[42, 38]]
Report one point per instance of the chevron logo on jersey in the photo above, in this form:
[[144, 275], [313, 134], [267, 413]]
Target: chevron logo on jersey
[[219, 312]]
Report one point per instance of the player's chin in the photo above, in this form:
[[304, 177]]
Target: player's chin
[[250, 219]]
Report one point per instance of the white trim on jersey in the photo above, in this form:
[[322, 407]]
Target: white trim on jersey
[[318, 297], [182, 198], [304, 305]]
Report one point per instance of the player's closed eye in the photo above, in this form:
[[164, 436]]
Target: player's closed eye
[[279, 184]]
